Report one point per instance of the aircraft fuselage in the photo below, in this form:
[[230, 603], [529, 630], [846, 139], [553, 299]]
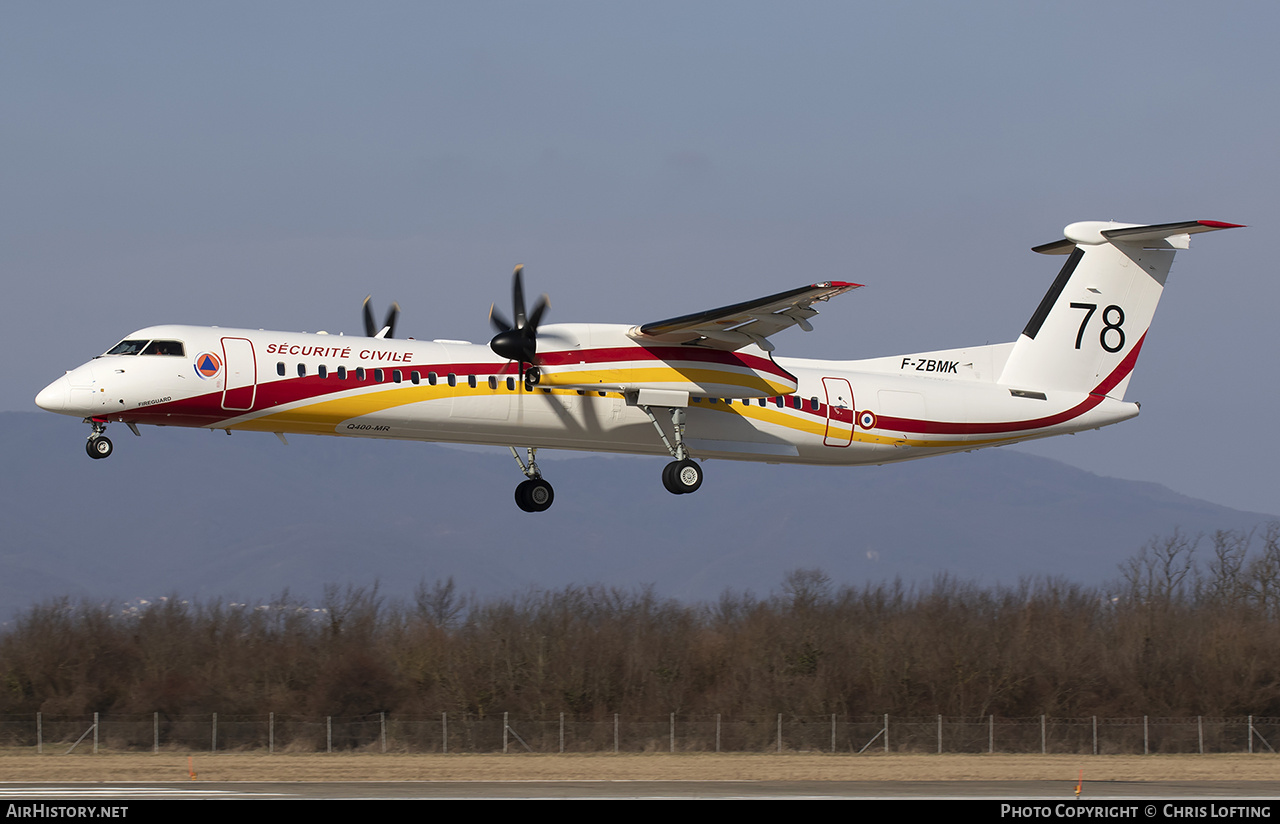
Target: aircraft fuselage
[[741, 405]]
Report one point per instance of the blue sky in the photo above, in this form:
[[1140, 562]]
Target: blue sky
[[270, 164]]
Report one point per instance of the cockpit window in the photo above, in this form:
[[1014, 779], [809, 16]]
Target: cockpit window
[[127, 347], [164, 347]]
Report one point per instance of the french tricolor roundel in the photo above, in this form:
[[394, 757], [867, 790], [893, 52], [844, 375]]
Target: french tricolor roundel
[[867, 419], [208, 365]]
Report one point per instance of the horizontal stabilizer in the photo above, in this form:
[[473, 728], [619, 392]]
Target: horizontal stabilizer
[[1092, 233]]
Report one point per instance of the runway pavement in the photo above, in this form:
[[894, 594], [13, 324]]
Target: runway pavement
[[406, 790]]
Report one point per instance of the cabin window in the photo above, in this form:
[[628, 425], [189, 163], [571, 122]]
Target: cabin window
[[778, 401], [493, 381], [762, 401], [511, 384], [280, 369], [471, 381], [813, 404], [453, 379], [127, 347], [322, 371], [414, 377], [342, 373], [396, 376], [432, 378], [359, 373], [378, 375], [164, 347], [302, 370], [711, 400], [795, 402]]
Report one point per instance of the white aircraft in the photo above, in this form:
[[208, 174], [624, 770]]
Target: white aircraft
[[705, 385]]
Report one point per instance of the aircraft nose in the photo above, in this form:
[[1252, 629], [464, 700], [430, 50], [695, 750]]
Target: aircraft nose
[[56, 396]]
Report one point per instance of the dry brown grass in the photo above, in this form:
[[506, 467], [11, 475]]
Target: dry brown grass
[[173, 766]]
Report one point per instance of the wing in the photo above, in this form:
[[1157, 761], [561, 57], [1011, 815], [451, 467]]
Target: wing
[[742, 324]]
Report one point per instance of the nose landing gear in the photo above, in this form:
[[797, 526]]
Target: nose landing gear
[[534, 494], [99, 445]]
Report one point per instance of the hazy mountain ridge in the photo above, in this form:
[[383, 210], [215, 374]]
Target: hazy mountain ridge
[[204, 514]]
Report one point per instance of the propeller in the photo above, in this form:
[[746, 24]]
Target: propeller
[[388, 327], [518, 341]]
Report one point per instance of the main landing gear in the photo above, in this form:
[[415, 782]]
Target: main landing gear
[[682, 475], [98, 445], [534, 494]]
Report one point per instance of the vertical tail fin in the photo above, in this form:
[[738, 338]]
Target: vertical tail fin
[[1086, 334]]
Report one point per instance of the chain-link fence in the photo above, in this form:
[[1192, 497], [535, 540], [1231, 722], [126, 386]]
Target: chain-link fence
[[471, 733]]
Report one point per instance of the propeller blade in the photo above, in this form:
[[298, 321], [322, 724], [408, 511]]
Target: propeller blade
[[389, 326], [498, 320], [543, 304], [369, 329], [517, 295]]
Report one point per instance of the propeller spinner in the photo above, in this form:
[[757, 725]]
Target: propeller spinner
[[519, 341], [388, 327]]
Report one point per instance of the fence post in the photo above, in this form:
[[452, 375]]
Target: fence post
[[382, 729], [779, 732], [155, 732], [1250, 734], [1146, 741], [886, 733], [1200, 731], [1095, 735], [444, 732], [95, 735], [40, 733], [328, 734], [717, 732], [615, 733], [271, 733], [991, 734], [673, 732], [1044, 741], [213, 742], [562, 733], [833, 732], [504, 733]]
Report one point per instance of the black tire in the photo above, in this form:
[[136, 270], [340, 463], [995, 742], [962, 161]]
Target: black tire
[[535, 495], [522, 496], [669, 478], [99, 447], [682, 477]]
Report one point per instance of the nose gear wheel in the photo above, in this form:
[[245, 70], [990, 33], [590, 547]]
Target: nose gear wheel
[[99, 446], [534, 494]]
